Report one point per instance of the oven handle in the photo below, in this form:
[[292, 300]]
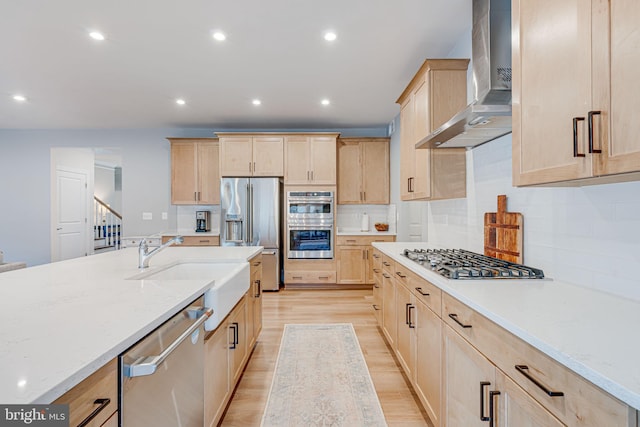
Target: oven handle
[[148, 365], [310, 227], [310, 200]]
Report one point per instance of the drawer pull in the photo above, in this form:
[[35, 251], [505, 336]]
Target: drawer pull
[[455, 319], [402, 276], [424, 294], [351, 240], [376, 270], [386, 276], [376, 256], [375, 307], [386, 264], [103, 404], [297, 277], [204, 241], [323, 277], [257, 263], [375, 285], [523, 369]]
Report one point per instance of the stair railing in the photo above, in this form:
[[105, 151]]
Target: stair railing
[[107, 224]]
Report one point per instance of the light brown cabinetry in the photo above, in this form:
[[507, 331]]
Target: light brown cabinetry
[[227, 350], [195, 173], [99, 391], [434, 95], [195, 240], [575, 92], [354, 257], [377, 285], [389, 321], [363, 171], [254, 309], [310, 160], [251, 155]]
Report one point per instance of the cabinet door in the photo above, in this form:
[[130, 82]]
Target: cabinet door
[[352, 264], [237, 329], [428, 367], [407, 159], [466, 374], [622, 152], [350, 172], [389, 323], [551, 87], [208, 173], [236, 156], [375, 175], [184, 173], [421, 110], [405, 315], [516, 408], [268, 156], [322, 156], [216, 375], [296, 161], [368, 268], [377, 299]]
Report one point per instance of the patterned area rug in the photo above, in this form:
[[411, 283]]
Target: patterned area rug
[[321, 379]]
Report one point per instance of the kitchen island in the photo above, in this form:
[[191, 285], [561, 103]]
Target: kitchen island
[[63, 321], [584, 330]]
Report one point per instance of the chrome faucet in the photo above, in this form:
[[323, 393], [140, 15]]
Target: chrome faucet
[[143, 250]]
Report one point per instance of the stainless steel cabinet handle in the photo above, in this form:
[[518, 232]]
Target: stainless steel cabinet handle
[[103, 404], [524, 370], [149, 364]]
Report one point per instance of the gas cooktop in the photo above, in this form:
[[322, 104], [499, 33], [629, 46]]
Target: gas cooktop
[[462, 264]]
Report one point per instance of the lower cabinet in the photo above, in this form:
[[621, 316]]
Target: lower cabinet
[[195, 240], [227, 352], [254, 301], [468, 371], [94, 402], [354, 258]]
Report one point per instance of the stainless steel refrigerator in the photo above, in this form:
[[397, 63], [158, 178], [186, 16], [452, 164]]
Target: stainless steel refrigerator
[[250, 215]]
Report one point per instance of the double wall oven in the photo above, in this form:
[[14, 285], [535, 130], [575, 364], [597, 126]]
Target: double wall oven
[[310, 216]]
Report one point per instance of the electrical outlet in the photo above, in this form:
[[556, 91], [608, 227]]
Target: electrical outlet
[[147, 216], [164, 215]]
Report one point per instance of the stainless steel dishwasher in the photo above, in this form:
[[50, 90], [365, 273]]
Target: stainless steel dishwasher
[[162, 375]]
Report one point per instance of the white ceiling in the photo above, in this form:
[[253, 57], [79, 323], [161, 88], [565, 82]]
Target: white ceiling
[[157, 51]]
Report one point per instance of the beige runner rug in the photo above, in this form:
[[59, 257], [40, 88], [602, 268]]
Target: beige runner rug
[[321, 379]]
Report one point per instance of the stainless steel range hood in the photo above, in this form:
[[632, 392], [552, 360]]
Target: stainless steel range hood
[[488, 117]]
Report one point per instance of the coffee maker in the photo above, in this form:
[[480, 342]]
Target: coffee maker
[[203, 221]]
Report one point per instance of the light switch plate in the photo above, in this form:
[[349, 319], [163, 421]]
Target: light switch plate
[[147, 216]]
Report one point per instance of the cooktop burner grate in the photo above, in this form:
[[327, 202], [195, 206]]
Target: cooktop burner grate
[[462, 264]]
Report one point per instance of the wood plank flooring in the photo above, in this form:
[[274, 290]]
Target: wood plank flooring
[[399, 403]]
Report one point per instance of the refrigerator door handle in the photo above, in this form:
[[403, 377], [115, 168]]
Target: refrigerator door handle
[[251, 213], [248, 215]]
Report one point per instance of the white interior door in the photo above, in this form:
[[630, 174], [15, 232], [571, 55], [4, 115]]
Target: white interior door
[[71, 223]]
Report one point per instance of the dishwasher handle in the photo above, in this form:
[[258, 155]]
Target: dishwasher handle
[[148, 365]]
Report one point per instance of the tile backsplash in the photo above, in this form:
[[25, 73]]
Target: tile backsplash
[[586, 235]]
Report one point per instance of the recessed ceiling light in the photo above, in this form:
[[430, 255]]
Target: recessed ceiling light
[[180, 101], [256, 102], [325, 102], [330, 36], [96, 35], [220, 36], [19, 98]]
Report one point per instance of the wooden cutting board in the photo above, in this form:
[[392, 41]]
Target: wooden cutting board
[[503, 233]]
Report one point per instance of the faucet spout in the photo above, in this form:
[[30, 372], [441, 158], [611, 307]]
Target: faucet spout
[[144, 255]]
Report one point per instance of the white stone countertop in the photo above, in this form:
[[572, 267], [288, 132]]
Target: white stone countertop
[[189, 232], [62, 321], [358, 232], [590, 332]]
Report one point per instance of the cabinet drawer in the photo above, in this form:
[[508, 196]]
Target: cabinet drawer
[[83, 398], [426, 292], [581, 403], [310, 277], [377, 260], [361, 240], [388, 264]]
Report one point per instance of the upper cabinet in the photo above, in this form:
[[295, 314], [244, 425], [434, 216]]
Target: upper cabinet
[[247, 155], [310, 159], [575, 90], [195, 173], [434, 95], [363, 171]]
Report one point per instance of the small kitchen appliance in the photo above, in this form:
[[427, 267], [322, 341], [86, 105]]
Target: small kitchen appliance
[[203, 221]]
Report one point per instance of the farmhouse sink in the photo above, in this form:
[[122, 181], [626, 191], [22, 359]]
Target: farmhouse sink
[[229, 282]]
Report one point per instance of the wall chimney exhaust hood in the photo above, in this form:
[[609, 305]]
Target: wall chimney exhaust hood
[[489, 116]]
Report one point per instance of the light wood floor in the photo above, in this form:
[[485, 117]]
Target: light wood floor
[[399, 402]]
